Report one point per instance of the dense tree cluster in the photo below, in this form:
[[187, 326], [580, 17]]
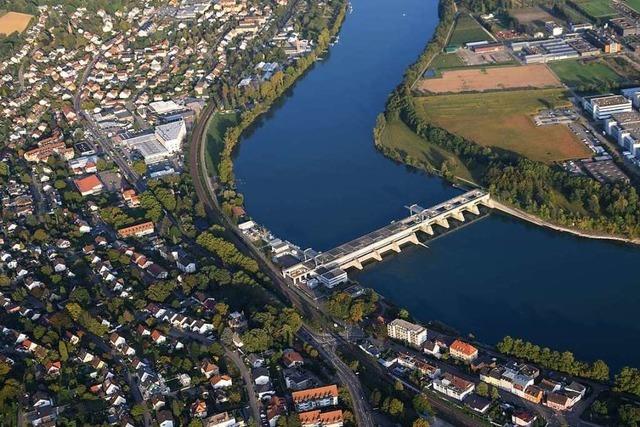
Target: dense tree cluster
[[227, 252], [340, 305], [551, 359], [628, 381]]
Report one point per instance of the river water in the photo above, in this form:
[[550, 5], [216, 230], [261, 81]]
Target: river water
[[310, 173]]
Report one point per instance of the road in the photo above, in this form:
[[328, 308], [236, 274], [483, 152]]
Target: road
[[235, 357], [325, 344], [133, 385], [205, 190]]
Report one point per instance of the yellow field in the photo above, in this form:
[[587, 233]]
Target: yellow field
[[11, 22], [504, 120]]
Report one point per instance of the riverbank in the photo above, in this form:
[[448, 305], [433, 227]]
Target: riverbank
[[544, 194], [546, 224]]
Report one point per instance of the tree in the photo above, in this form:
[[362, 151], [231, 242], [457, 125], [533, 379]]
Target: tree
[[396, 407], [139, 167], [482, 389], [599, 407], [629, 415], [495, 394], [62, 349], [421, 422], [403, 314], [628, 381], [40, 235], [421, 404]]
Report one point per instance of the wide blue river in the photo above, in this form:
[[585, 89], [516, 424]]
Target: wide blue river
[[309, 172]]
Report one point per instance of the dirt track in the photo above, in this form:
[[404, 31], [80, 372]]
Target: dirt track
[[11, 22], [483, 79]]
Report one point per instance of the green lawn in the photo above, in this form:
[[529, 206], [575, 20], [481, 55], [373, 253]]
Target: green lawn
[[467, 30], [635, 4], [446, 60], [597, 8], [215, 137], [419, 152], [576, 73]]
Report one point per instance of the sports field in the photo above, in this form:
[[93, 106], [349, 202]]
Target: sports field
[[503, 120], [594, 73], [11, 22], [596, 8], [491, 78], [467, 30]]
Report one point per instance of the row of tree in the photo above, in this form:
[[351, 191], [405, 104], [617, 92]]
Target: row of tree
[[551, 359]]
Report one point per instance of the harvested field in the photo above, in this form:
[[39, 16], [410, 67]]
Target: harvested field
[[504, 120], [11, 22], [484, 79]]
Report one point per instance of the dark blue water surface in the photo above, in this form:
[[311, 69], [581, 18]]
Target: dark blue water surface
[[310, 173]]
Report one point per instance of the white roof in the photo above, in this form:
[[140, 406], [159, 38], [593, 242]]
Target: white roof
[[171, 131], [162, 107]]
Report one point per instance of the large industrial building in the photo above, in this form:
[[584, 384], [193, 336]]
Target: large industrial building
[[603, 107], [625, 129]]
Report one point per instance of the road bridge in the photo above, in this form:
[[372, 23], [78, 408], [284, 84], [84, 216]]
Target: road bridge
[[329, 267]]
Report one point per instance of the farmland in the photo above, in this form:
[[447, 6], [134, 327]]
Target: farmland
[[467, 30], [492, 78], [590, 74], [503, 120], [12, 22]]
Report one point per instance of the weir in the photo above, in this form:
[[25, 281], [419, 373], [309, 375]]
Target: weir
[[329, 267]]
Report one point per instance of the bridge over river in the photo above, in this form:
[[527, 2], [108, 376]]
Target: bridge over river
[[330, 267]]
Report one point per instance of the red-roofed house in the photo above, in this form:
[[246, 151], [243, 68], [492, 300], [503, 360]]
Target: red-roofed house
[[321, 419], [463, 351], [89, 185]]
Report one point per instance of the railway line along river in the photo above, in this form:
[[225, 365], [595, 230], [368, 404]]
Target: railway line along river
[[310, 173]]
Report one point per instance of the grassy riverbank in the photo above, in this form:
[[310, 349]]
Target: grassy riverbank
[[533, 185]]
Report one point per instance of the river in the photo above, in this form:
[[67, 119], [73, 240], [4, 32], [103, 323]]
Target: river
[[310, 173]]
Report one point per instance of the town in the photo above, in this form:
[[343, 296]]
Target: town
[[130, 299]]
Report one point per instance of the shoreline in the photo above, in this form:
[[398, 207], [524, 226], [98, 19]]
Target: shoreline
[[522, 215]]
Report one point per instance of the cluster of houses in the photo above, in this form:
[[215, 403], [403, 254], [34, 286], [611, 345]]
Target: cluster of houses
[[519, 379]]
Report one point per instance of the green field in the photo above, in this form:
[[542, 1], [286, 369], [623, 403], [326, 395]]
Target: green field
[[504, 120], [592, 74], [596, 8], [215, 137], [419, 152], [634, 4], [446, 60], [467, 30]]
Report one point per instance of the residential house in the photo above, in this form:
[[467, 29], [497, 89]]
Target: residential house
[[314, 398], [453, 386], [321, 419], [220, 381], [463, 351]]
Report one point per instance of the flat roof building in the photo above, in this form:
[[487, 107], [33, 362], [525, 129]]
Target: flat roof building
[[603, 107], [406, 331]]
